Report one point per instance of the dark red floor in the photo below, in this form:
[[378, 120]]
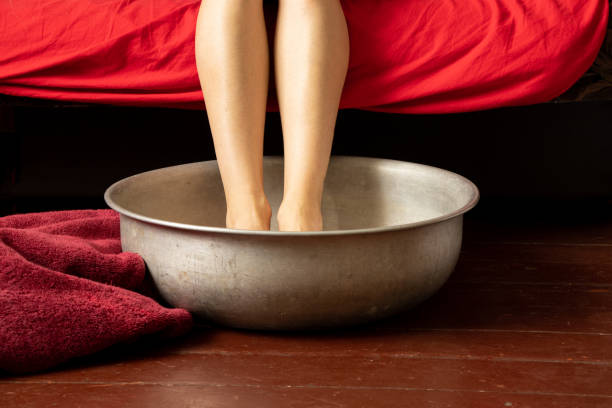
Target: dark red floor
[[524, 321]]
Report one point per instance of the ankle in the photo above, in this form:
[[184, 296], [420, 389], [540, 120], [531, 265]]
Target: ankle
[[248, 213], [301, 202], [256, 202], [299, 216]]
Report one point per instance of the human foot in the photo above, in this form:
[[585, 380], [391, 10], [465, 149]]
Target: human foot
[[299, 217], [249, 214]]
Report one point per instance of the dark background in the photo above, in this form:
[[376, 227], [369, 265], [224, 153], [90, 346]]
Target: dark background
[[545, 159]]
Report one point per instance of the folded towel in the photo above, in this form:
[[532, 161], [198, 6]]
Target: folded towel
[[67, 290]]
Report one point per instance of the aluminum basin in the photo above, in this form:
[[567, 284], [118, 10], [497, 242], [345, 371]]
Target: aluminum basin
[[392, 233]]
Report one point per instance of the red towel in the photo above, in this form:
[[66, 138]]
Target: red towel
[[67, 290]]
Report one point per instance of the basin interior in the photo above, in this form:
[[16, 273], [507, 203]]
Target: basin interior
[[359, 192]]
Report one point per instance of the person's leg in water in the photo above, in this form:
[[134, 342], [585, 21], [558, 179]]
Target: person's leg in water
[[311, 59], [311, 56], [232, 59]]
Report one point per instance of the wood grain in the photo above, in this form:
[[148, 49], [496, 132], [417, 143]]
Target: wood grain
[[524, 321], [177, 395]]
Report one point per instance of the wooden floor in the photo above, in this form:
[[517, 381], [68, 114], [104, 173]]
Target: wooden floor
[[524, 321]]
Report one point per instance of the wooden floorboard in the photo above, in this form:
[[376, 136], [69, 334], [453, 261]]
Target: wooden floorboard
[[411, 343], [528, 271], [144, 394], [327, 370], [525, 320], [559, 231]]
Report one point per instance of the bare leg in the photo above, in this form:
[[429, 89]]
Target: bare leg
[[311, 62], [232, 60]]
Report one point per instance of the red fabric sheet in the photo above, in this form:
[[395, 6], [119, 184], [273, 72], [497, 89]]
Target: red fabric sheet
[[67, 290], [407, 56]]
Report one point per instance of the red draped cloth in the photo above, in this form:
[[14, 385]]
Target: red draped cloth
[[406, 56]]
